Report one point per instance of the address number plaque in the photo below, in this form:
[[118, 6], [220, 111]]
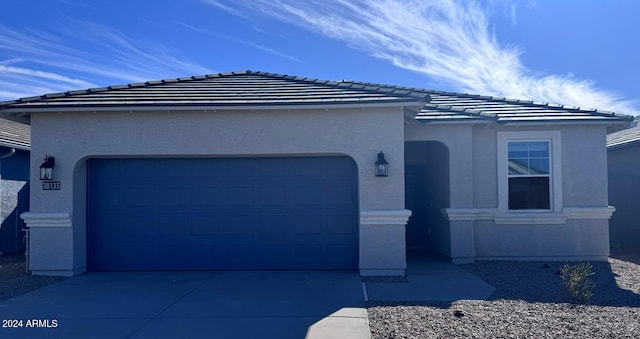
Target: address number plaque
[[51, 185]]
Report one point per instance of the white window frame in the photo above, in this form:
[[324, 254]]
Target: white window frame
[[555, 170]]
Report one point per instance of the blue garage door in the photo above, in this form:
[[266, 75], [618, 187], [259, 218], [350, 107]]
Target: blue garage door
[[222, 213]]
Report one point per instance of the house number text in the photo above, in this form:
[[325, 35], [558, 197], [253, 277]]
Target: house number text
[[51, 185]]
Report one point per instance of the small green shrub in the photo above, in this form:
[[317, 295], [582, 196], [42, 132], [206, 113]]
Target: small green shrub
[[576, 279]]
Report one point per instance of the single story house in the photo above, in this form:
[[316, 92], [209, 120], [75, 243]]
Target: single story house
[[14, 189], [623, 151], [254, 170]]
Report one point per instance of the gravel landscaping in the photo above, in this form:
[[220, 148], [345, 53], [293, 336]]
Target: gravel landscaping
[[530, 301], [14, 280]]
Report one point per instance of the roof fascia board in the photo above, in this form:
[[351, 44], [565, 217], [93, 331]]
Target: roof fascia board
[[512, 123], [605, 121], [16, 146], [623, 145], [461, 121], [12, 111]]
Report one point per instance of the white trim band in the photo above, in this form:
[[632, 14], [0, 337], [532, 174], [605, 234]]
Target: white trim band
[[384, 217], [524, 217], [35, 219], [589, 212]]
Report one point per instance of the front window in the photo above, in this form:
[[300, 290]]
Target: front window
[[529, 175]]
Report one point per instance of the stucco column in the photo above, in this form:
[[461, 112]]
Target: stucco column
[[461, 214], [383, 232], [50, 243], [461, 223]]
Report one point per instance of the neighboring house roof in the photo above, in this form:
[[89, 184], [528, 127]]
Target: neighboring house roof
[[626, 137], [15, 135], [249, 89]]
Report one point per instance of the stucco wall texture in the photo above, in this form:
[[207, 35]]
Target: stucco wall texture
[[470, 222], [474, 190], [74, 137]]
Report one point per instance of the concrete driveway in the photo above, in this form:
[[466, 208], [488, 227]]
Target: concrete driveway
[[256, 304]]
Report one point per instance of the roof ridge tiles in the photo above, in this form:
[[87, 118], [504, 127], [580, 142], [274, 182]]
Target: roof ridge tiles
[[55, 95], [32, 98], [525, 101]]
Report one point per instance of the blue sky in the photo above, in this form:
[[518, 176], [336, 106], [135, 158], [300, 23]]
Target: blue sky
[[581, 53]]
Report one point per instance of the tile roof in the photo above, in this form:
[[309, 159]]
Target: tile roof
[[15, 135], [451, 106], [447, 106], [222, 90], [252, 89], [622, 138]]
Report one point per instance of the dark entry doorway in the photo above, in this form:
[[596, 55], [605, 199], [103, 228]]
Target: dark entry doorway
[[426, 194], [417, 232]]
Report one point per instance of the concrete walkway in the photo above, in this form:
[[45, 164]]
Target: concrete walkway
[[431, 279], [244, 304], [263, 304]]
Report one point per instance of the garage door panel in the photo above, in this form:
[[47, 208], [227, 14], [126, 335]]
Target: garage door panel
[[205, 225], [314, 167], [273, 196], [305, 253], [107, 225], [141, 226], [230, 213], [339, 250], [340, 224], [240, 253], [239, 224], [340, 195], [310, 195], [310, 224], [273, 224], [140, 196], [207, 196], [240, 195], [173, 196], [116, 251], [112, 195], [176, 225], [275, 254]]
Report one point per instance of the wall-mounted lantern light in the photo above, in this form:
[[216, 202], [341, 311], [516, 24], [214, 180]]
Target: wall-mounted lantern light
[[46, 169], [382, 166]]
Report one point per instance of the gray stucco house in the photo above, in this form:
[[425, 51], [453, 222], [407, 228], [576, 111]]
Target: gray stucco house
[[14, 188], [254, 170], [624, 184]]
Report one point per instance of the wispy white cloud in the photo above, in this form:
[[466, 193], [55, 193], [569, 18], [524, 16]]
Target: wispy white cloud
[[231, 9], [99, 56], [240, 41], [44, 75], [448, 41]]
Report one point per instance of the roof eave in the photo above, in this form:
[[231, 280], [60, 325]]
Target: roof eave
[[139, 108], [20, 146], [623, 145], [604, 121], [448, 121]]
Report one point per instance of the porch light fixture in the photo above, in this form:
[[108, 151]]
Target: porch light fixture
[[46, 169], [382, 166]]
